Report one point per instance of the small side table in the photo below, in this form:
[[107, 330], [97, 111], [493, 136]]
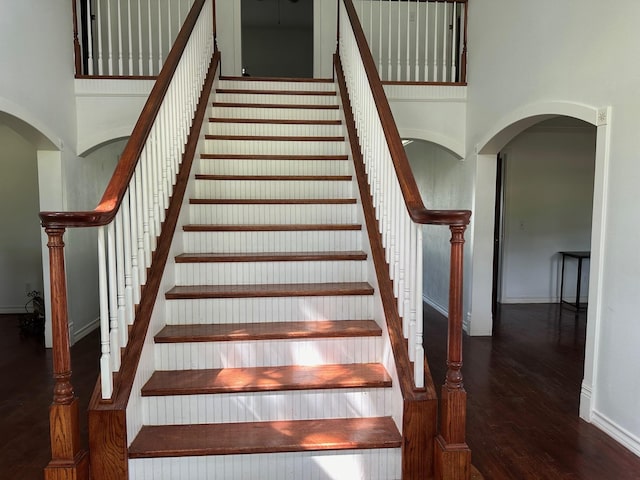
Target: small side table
[[579, 256]]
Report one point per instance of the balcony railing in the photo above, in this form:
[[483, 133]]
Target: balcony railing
[[416, 40], [125, 38]]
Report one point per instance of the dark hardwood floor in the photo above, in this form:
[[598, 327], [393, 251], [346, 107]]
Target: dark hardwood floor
[[523, 387], [26, 391]]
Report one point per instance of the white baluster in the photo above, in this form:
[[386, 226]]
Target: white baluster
[[159, 37], [120, 281], [407, 75], [127, 214], [90, 67], [390, 71], [135, 240], [445, 36], [399, 72], [149, 25], [418, 365], [106, 377], [380, 39], [410, 311], [427, 7], [99, 22], [120, 53], [129, 32], [417, 62], [109, 40], [435, 43], [112, 276], [140, 61]]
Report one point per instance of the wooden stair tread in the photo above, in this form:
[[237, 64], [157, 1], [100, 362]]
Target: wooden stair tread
[[323, 93], [269, 257], [275, 138], [274, 121], [305, 178], [265, 437], [253, 156], [295, 106], [272, 201], [267, 331], [266, 379], [269, 290], [293, 227]]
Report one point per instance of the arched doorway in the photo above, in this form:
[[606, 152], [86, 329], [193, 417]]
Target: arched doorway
[[484, 212]]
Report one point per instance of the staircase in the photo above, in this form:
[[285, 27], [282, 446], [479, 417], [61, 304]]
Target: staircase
[[272, 362]]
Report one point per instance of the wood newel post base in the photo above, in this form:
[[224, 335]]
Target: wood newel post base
[[68, 460]]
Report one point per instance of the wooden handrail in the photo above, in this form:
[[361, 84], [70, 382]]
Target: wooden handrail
[[413, 201], [114, 193], [452, 457]]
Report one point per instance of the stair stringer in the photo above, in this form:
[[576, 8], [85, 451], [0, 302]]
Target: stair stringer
[[135, 412], [419, 418]]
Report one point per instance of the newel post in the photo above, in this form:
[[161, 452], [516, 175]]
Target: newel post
[[452, 455], [68, 460]]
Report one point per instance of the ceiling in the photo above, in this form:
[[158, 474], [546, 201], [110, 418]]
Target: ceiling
[[274, 13]]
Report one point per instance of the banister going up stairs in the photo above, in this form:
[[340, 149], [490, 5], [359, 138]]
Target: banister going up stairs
[[261, 285]]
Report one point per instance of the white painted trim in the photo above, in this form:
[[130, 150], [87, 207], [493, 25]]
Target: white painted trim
[[615, 431], [86, 330], [9, 309], [104, 87], [439, 308], [519, 120], [505, 130], [454, 146], [103, 136], [586, 401], [597, 260], [516, 300], [47, 139]]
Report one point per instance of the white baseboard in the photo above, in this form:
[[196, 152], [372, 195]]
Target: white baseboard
[[86, 330], [586, 400], [442, 310], [513, 300], [615, 431], [12, 309]]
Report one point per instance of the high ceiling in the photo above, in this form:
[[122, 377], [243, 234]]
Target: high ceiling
[[273, 13]]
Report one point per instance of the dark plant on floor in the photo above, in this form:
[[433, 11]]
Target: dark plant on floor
[[32, 322]]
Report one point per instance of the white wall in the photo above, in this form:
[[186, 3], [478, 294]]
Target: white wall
[[433, 167], [20, 256], [548, 194], [553, 57]]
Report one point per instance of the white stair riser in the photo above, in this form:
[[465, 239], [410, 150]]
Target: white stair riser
[[267, 406], [269, 309], [273, 189], [251, 273], [279, 129], [371, 464], [275, 113], [267, 214], [258, 147], [267, 353], [273, 167], [244, 242], [276, 99], [271, 85]]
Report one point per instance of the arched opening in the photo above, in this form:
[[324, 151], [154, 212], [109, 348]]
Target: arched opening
[[435, 169], [20, 237], [483, 237], [277, 38]]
